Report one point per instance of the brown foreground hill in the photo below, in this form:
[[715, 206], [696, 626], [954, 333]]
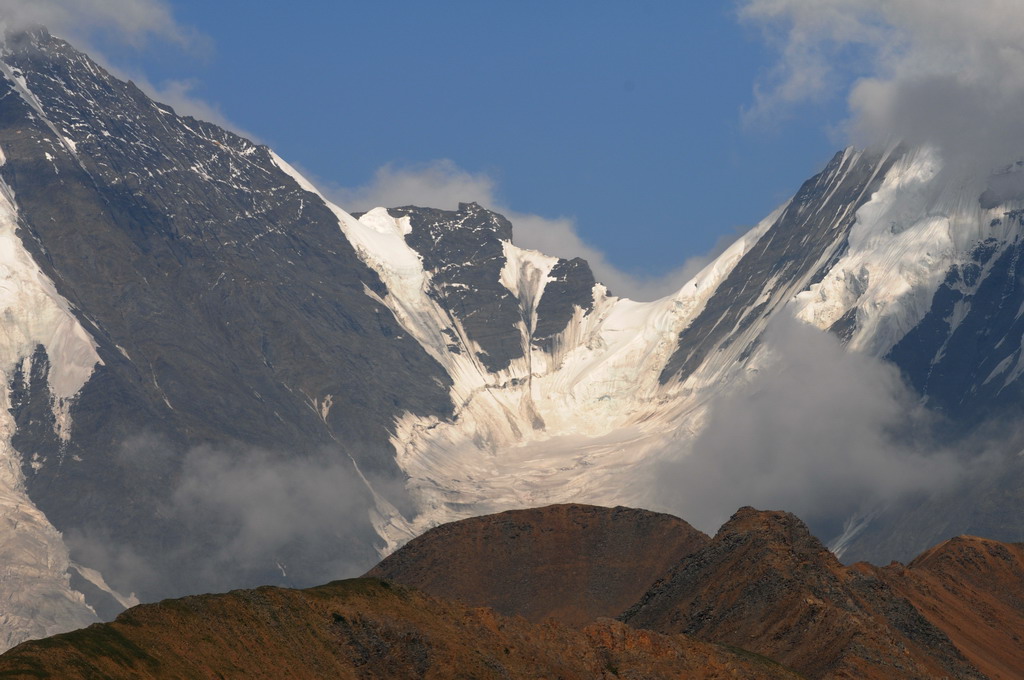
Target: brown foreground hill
[[573, 563], [763, 584], [972, 589], [766, 584], [365, 629]]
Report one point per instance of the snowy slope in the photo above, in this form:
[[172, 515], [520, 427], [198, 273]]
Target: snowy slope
[[576, 422], [581, 420], [900, 250], [36, 599]]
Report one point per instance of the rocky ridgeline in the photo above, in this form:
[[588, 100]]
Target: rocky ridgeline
[[761, 593]]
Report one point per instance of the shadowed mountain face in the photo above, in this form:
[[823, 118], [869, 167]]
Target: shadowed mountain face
[[364, 629], [573, 563], [227, 307], [239, 338]]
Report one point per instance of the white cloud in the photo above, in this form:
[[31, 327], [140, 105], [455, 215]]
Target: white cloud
[[130, 21], [947, 73], [820, 431], [442, 184], [239, 517]]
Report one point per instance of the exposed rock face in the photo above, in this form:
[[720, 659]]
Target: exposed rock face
[[573, 563], [227, 307], [805, 242], [571, 286], [363, 629], [463, 251], [766, 584]]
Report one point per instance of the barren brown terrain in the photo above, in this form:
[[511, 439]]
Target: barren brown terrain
[[761, 593], [365, 629], [972, 589], [573, 563], [766, 584]]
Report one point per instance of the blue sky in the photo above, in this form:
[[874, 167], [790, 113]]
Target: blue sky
[[627, 118]]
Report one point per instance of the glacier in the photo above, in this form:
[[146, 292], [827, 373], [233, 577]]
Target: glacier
[[587, 419]]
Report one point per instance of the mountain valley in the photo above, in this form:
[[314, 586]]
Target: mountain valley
[[216, 378]]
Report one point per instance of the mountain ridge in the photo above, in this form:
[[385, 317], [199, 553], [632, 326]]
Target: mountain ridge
[[361, 628], [763, 591], [192, 326]]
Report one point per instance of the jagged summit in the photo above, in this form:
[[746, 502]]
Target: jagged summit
[[15, 38], [781, 532]]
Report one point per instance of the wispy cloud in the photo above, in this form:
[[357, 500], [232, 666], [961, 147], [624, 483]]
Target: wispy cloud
[[237, 516], [129, 21]]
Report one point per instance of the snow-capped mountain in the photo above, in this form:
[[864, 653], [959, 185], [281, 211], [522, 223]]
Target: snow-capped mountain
[[216, 377]]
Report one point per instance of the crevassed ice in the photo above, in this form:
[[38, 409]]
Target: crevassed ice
[[565, 425], [578, 423]]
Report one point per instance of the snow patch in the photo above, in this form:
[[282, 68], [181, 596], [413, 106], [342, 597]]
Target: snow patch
[[96, 578], [901, 246]]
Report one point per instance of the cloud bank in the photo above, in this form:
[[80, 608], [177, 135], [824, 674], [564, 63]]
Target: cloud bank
[[237, 516], [442, 184], [819, 431], [945, 73]]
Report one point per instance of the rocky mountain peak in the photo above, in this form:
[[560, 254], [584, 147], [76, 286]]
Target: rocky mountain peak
[[774, 532], [765, 582], [26, 36]]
